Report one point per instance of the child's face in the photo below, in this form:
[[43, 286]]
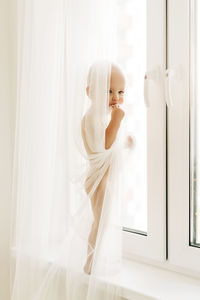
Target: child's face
[[117, 87]]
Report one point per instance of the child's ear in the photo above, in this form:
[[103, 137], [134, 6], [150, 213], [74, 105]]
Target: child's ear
[[87, 90]]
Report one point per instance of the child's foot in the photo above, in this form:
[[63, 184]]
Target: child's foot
[[88, 265], [87, 269]]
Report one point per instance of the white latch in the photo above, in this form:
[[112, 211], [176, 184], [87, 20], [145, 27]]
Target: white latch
[[163, 81], [154, 76]]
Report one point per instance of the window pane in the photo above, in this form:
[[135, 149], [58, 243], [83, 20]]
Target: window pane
[[132, 57], [195, 126]]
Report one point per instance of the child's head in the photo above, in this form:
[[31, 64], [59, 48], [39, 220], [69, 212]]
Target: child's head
[[116, 85]]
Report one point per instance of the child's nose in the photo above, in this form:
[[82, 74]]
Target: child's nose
[[115, 97]]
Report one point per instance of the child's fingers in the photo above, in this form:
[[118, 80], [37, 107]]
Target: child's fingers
[[115, 105]]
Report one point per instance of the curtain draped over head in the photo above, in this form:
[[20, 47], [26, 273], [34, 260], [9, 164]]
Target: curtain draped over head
[[63, 46]]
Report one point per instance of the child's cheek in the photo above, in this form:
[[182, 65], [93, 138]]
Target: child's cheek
[[109, 99], [121, 100]]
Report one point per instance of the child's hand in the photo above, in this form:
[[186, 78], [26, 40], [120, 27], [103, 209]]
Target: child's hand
[[129, 142], [117, 113]]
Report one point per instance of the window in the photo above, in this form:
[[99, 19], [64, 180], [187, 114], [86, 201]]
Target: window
[[132, 56], [172, 234], [142, 46], [194, 125]]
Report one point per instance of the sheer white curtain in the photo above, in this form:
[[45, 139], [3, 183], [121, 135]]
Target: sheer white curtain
[[58, 40]]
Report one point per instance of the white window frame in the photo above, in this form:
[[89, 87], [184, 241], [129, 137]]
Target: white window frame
[[179, 52], [153, 245], [167, 244]]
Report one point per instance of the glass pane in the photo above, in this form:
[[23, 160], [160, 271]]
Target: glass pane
[[195, 125], [132, 57]]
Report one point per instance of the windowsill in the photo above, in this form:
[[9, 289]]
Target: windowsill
[[141, 281]]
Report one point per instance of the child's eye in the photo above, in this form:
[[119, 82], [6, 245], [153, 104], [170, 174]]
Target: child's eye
[[110, 91], [121, 92]]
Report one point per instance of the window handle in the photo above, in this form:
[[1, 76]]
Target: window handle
[[146, 90], [173, 78], [163, 80], [152, 76], [169, 75]]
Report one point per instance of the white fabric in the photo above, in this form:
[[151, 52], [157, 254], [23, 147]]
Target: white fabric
[[52, 215]]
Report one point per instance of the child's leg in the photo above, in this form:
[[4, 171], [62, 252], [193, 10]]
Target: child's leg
[[97, 203]]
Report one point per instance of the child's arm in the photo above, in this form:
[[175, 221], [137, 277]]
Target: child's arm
[[111, 132], [117, 115]]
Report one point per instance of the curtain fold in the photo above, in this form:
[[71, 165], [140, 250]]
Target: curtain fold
[[54, 177]]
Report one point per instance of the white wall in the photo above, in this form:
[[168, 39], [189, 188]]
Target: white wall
[[7, 116]]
